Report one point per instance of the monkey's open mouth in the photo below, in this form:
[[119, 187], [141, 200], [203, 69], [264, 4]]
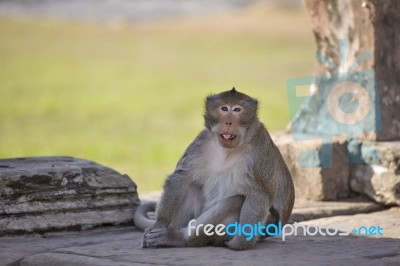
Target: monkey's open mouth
[[228, 136]]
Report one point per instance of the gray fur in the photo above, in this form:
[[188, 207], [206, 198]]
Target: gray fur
[[140, 217], [223, 180]]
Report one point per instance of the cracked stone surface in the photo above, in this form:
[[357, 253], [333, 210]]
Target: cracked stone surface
[[40, 194]]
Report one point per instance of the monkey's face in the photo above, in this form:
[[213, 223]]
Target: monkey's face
[[228, 116], [228, 131]]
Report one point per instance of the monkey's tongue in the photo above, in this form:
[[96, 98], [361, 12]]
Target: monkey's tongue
[[228, 136]]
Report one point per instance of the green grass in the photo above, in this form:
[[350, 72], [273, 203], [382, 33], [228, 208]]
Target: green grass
[[132, 98]]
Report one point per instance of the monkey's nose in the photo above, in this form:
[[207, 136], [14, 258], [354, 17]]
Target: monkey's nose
[[228, 123]]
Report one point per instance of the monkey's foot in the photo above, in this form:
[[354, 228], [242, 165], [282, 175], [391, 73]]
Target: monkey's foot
[[162, 237], [239, 243]]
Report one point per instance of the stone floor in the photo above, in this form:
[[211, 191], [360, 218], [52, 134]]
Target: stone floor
[[121, 245]]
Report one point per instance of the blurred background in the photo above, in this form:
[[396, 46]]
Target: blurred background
[[123, 82]]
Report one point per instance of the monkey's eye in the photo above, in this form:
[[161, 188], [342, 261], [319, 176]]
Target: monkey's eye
[[237, 109], [224, 108]]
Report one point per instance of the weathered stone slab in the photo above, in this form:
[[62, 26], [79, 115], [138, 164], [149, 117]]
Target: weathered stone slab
[[315, 183], [56, 193], [380, 182]]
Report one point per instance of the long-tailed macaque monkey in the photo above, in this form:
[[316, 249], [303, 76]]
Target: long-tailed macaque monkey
[[232, 172]]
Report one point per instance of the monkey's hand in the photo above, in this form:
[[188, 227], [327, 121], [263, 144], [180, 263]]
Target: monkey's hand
[[239, 243]]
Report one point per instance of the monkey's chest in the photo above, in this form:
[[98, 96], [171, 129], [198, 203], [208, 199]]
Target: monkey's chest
[[220, 187], [222, 173], [219, 184]]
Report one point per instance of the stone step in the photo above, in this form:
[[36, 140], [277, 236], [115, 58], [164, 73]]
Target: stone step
[[370, 168], [306, 210]]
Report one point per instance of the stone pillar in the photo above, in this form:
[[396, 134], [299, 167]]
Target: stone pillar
[[357, 46], [354, 95]]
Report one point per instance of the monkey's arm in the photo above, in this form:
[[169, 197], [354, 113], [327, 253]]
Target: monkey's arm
[[175, 184], [178, 184]]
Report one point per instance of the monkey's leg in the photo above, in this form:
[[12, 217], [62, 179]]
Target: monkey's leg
[[279, 212], [254, 210], [224, 212], [273, 217], [174, 215]]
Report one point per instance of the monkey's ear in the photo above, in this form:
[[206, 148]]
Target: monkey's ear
[[233, 89], [251, 104], [210, 100]]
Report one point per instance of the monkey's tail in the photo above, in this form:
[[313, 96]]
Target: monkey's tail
[[140, 218]]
